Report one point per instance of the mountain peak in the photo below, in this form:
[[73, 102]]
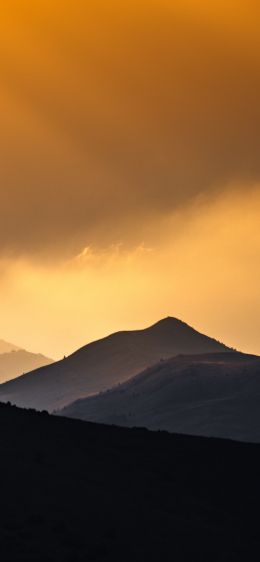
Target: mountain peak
[[107, 362], [171, 324], [169, 321]]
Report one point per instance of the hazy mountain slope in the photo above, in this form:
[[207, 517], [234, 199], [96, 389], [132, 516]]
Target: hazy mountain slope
[[73, 491], [15, 363], [6, 347], [211, 395], [104, 363]]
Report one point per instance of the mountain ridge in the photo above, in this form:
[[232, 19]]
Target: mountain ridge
[[211, 395], [16, 363], [103, 363]]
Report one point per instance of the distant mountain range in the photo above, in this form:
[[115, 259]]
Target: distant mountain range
[[6, 347], [15, 363], [166, 377], [102, 364], [210, 395]]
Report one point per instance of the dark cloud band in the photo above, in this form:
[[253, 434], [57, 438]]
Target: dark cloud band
[[110, 117]]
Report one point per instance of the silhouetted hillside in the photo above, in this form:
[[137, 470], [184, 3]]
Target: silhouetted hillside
[[104, 363], [15, 363], [211, 395], [72, 491]]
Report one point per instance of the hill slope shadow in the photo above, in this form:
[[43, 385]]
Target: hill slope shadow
[[73, 491]]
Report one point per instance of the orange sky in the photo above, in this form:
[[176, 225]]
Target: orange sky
[[130, 168]]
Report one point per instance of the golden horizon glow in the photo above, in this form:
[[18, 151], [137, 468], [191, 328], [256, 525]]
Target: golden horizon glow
[[206, 251]]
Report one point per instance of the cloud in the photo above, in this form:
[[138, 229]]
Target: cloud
[[114, 117], [203, 267]]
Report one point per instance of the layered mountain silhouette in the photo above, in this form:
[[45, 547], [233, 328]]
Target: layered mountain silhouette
[[15, 361], [75, 491], [6, 347], [210, 395], [102, 364]]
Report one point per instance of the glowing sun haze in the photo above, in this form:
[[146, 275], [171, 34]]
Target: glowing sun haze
[[130, 169]]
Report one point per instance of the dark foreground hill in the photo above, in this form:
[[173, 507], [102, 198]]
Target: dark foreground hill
[[104, 363], [78, 492], [16, 362], [211, 395]]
